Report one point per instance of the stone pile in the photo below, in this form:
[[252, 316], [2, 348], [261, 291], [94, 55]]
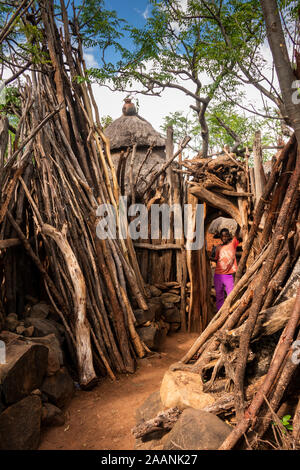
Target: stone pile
[[163, 315], [35, 386], [195, 429], [39, 319]]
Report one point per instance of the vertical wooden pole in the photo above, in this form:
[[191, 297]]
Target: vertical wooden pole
[[168, 255], [260, 178]]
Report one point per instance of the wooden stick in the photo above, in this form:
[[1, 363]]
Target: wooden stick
[[82, 332], [164, 420], [149, 246], [285, 342], [165, 166]]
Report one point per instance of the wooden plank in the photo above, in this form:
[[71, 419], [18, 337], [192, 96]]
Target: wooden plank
[[149, 246]]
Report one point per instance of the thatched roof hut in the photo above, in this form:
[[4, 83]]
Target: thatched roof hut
[[138, 152], [125, 132], [128, 130]]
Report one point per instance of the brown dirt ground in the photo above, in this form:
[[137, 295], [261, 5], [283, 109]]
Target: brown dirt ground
[[102, 418]]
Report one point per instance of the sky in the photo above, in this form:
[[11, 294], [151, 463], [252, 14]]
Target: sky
[[153, 109], [135, 11]]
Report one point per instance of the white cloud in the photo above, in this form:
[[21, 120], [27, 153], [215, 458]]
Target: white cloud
[[146, 12], [90, 60]]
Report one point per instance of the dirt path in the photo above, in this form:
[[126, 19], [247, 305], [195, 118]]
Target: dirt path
[[103, 418]]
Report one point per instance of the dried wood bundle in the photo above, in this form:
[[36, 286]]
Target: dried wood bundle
[[254, 309], [52, 184]]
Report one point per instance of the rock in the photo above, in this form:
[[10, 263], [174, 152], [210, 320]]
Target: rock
[[184, 389], [20, 329], [151, 444], [143, 316], [164, 326], [55, 354], [59, 388], [155, 307], [197, 430], [20, 425], [24, 369], [174, 327], [40, 310], [2, 407], [11, 322], [167, 305], [52, 416], [150, 408], [44, 327], [174, 291], [44, 397], [161, 286], [36, 392], [150, 335], [155, 292], [28, 332], [172, 315], [172, 298], [263, 350]]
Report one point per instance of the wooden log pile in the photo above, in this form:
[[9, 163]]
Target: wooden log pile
[[52, 181], [223, 184], [255, 331]]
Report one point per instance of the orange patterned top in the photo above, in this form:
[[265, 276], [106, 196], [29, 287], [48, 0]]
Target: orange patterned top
[[225, 257]]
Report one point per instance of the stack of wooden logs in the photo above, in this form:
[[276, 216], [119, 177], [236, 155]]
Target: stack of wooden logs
[[264, 304], [223, 184], [52, 180]]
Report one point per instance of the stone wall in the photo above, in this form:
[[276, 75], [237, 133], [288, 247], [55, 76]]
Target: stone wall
[[35, 385]]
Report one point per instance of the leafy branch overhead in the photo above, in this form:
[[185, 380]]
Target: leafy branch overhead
[[205, 51]]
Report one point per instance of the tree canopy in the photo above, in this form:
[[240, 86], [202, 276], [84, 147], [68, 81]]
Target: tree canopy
[[206, 50]]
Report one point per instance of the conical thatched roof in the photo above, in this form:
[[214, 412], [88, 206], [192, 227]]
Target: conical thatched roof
[[128, 130]]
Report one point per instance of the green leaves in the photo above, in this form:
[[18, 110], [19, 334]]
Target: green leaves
[[286, 422], [11, 104], [98, 26], [220, 115], [183, 125]]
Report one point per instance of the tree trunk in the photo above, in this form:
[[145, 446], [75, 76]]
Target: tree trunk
[[282, 63]]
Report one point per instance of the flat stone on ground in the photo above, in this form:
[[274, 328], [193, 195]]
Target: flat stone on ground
[[24, 369], [59, 388], [184, 389], [52, 415], [20, 425], [150, 408], [150, 335], [197, 430]]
